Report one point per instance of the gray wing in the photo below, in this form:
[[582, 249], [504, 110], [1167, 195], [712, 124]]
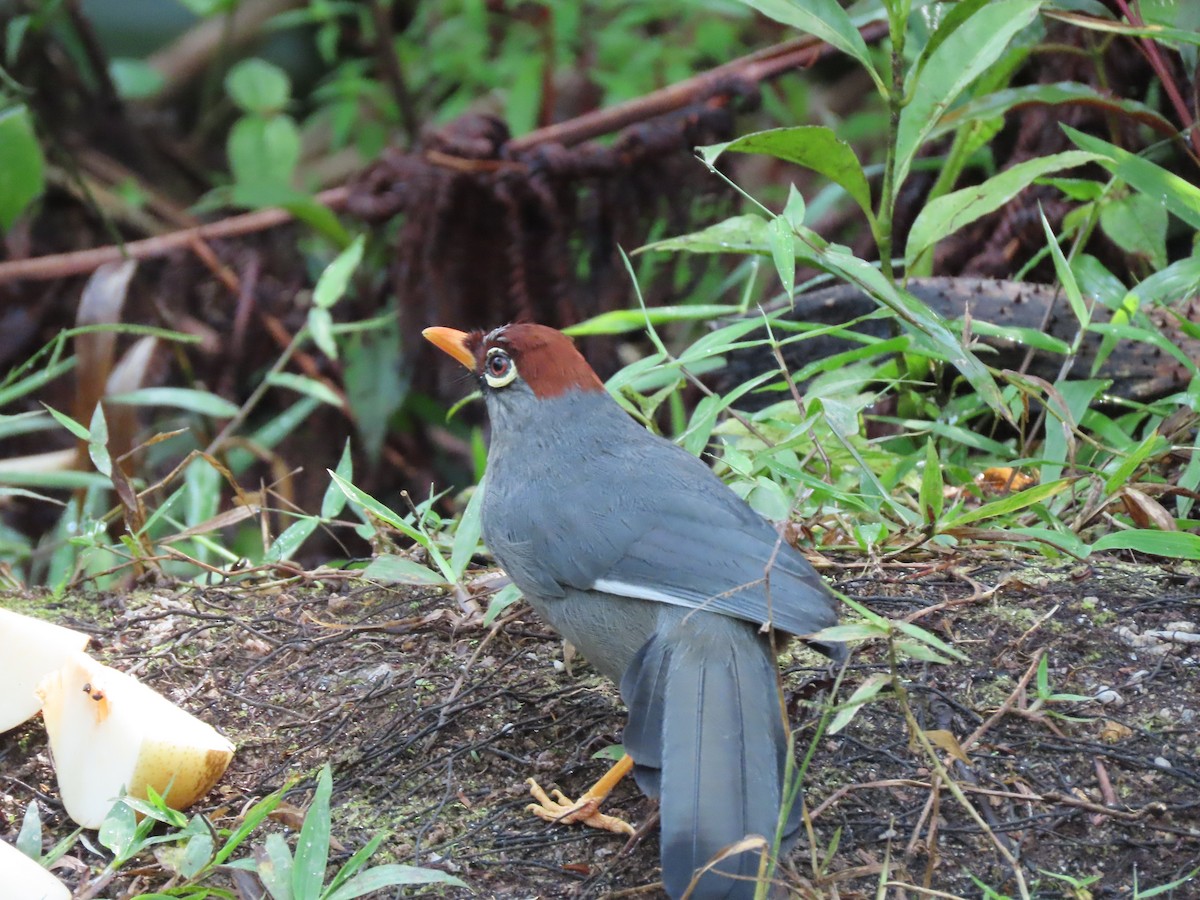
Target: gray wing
[[672, 533]]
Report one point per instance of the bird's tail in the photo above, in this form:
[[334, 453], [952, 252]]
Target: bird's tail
[[708, 717]]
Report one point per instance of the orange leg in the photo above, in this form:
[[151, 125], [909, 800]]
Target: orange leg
[[586, 809]]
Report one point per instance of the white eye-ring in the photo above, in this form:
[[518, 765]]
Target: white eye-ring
[[498, 368]]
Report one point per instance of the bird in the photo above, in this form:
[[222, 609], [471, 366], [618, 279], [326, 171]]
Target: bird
[[667, 582]]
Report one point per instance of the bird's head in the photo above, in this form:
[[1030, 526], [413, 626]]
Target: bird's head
[[520, 362]]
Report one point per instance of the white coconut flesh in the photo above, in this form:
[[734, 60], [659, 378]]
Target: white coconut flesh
[[110, 734], [29, 650], [24, 879]]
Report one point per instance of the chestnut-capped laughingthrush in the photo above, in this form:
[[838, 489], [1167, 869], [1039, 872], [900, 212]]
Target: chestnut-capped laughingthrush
[[663, 578]]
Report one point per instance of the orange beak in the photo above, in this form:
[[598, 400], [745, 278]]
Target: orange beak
[[453, 342]]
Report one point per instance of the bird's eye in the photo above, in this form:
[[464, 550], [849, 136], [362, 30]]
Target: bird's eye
[[498, 368]]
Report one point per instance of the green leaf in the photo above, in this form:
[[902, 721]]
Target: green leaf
[[374, 507], [863, 694], [393, 569], [972, 48], [1173, 544], [332, 284], [68, 423], [1137, 223], [286, 545], [1154, 443], [783, 253], [925, 322], [312, 847], [502, 600], [135, 79], [1026, 337], [118, 831], [997, 103], [392, 875], [947, 214], [302, 384], [824, 19], [320, 327], [1179, 196], [622, 321], [466, 535], [29, 839], [1010, 504], [98, 442], [22, 168], [189, 399], [263, 151], [812, 146], [258, 86], [276, 869], [334, 500], [747, 233], [524, 100], [1066, 278], [932, 494]]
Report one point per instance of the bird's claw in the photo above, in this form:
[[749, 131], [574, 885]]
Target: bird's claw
[[563, 810]]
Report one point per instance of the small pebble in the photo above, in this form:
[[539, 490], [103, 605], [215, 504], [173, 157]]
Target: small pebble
[[1109, 697], [1162, 762]]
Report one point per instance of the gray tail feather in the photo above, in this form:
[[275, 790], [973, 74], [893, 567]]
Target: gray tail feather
[[723, 746]]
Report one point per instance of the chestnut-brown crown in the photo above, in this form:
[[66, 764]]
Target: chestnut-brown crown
[[546, 359]]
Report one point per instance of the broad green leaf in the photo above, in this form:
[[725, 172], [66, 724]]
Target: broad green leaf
[[393, 569], [257, 86], [22, 168], [1179, 196], [997, 103], [1173, 544], [188, 399], [1137, 223], [812, 146], [963, 56], [312, 846], [747, 233], [1010, 504], [824, 19], [263, 150], [275, 870], [332, 284], [945, 215]]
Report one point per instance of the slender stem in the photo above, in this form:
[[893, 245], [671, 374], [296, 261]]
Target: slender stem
[[898, 20]]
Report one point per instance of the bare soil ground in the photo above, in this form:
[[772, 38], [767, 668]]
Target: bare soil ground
[[433, 724]]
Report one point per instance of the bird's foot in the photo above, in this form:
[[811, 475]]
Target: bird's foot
[[562, 809]]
